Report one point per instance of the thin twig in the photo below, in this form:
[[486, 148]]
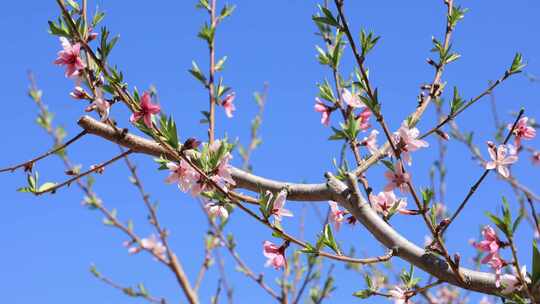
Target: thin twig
[[211, 84], [452, 116], [129, 290], [42, 156], [479, 181], [79, 176]]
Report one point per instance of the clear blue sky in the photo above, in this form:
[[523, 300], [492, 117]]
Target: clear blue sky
[[49, 242]]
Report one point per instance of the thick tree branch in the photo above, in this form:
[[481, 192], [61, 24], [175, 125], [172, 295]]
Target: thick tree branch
[[243, 179], [332, 190]]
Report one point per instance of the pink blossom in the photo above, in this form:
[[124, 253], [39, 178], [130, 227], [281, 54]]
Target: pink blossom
[[101, 105], [151, 244], [277, 210], [216, 209], [511, 282], [500, 159], [397, 179], [274, 254], [228, 105], [490, 244], [199, 186], [183, 174], [399, 295], [147, 110], [70, 57], [371, 142], [78, 93], [522, 130], [384, 202], [155, 246], [324, 110], [350, 99], [363, 119], [224, 171], [497, 263], [336, 216], [406, 141]]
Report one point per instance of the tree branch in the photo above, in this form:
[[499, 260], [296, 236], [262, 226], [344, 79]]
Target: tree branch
[[332, 190]]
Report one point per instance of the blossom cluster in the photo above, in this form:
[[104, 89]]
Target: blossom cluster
[[491, 245], [214, 162]]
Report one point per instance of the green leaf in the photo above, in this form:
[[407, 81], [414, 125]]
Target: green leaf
[[130, 225], [328, 18], [94, 271], [408, 278], [517, 64], [142, 290], [204, 4], [328, 239], [458, 14], [220, 63], [168, 128], [266, 204], [322, 56], [507, 216], [326, 92], [351, 127], [226, 11], [197, 73], [25, 190], [58, 30], [46, 186], [98, 17], [207, 33], [535, 263], [452, 57], [73, 5], [517, 222], [498, 222], [456, 102], [32, 180], [388, 164], [338, 134], [368, 41], [338, 50], [162, 163], [106, 47], [309, 249], [427, 195], [363, 294]]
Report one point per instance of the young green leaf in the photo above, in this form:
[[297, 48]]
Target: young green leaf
[[517, 64], [327, 19], [197, 73], [535, 263]]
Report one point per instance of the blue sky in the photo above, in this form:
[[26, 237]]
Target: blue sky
[[50, 241]]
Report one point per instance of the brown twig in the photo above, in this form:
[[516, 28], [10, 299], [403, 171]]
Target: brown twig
[[79, 176], [435, 88], [128, 290], [42, 156], [452, 116], [479, 181], [211, 84]]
